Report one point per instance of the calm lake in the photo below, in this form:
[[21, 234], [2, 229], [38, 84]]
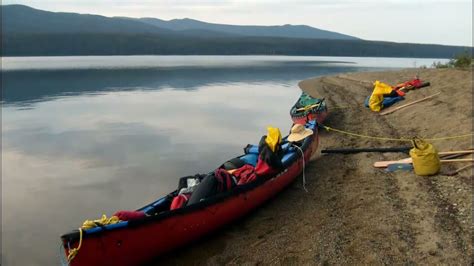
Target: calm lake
[[86, 136]]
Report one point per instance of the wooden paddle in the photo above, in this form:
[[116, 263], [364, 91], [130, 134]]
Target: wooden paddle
[[308, 107], [391, 110], [383, 164], [452, 156], [455, 152]]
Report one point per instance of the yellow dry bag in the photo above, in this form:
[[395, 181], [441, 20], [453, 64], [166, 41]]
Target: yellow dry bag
[[425, 158], [376, 99]]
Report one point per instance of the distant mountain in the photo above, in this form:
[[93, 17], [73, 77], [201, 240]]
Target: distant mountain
[[288, 31], [23, 19], [31, 32]]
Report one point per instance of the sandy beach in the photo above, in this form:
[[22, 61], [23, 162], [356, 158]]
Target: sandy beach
[[354, 213]]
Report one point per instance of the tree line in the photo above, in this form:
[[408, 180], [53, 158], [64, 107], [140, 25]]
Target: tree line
[[152, 44]]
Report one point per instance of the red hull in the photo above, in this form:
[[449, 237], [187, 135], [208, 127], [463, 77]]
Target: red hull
[[320, 117], [137, 245]]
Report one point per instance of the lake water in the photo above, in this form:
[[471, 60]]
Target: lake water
[[83, 136]]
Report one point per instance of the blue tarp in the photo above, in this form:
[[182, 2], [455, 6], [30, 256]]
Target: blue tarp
[[387, 101]]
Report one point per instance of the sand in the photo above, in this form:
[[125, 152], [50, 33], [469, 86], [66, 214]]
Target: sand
[[352, 212]]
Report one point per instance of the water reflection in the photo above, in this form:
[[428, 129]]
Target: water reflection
[[27, 86], [78, 157]]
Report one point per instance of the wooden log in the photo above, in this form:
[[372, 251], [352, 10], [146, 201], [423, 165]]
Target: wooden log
[[391, 110]]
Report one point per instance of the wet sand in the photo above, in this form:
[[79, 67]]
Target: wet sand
[[354, 213]]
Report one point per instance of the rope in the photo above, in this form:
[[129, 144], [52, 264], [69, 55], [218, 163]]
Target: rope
[[393, 139], [302, 156], [88, 224], [73, 252]]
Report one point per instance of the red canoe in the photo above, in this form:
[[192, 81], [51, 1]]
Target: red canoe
[[308, 108], [139, 241]]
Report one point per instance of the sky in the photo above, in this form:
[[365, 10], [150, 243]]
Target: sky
[[414, 21]]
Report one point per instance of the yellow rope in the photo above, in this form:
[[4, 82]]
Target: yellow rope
[[88, 224], [393, 139], [73, 252]]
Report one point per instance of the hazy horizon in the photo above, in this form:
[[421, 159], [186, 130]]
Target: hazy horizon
[[431, 21]]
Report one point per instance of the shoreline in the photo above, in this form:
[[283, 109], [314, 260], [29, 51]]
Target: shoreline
[[354, 213]]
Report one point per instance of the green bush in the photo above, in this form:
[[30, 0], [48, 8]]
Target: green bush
[[463, 60]]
